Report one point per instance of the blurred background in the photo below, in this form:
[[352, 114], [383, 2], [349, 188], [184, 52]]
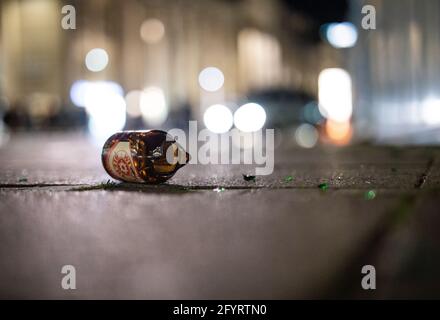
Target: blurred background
[[305, 68]]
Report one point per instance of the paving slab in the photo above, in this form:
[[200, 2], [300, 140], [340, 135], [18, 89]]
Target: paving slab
[[198, 244]]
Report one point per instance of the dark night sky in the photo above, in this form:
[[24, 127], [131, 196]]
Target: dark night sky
[[321, 11]]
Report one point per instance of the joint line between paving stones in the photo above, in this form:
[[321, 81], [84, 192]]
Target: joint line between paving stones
[[425, 175]]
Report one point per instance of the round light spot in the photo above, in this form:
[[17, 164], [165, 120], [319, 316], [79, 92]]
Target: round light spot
[[339, 133], [133, 101], [152, 31], [96, 60], [211, 79], [218, 118], [153, 106], [250, 117], [78, 92], [342, 35], [107, 113], [306, 135]]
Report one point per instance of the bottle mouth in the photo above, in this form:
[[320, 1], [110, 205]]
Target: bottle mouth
[[177, 155], [184, 157]]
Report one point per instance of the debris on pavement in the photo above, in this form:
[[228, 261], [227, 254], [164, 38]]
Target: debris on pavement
[[323, 186], [248, 177], [370, 195]]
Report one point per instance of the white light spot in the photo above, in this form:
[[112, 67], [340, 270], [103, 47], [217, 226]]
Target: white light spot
[[78, 92], [306, 135], [250, 117], [211, 79], [107, 112], [153, 106], [81, 88], [133, 101], [342, 35], [218, 118], [335, 96], [431, 111], [96, 60]]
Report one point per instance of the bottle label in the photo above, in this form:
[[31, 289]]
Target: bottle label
[[120, 163]]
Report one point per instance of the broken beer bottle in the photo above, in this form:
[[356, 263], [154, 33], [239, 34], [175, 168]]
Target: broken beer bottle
[[150, 156]]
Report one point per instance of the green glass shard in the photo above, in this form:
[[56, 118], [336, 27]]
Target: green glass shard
[[370, 195], [323, 186]]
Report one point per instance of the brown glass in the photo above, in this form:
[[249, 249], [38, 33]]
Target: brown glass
[[148, 152]]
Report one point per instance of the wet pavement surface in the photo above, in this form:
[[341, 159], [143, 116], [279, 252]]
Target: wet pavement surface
[[275, 237]]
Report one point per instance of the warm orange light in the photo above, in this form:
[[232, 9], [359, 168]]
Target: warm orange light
[[339, 133]]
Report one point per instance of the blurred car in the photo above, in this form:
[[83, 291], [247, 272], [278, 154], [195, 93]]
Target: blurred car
[[286, 108]]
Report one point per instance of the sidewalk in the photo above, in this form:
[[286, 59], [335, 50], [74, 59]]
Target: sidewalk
[[277, 237]]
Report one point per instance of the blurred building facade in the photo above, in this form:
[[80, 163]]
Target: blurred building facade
[[395, 70], [164, 44]]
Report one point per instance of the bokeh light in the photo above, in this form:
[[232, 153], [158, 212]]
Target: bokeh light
[[339, 133], [96, 60], [341, 35], [306, 135], [218, 118], [78, 92], [335, 95], [250, 117], [107, 113], [211, 79], [152, 30], [80, 89], [431, 111], [311, 113], [153, 106], [133, 101]]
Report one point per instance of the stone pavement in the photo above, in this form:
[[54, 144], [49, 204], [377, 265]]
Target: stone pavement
[[272, 238]]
